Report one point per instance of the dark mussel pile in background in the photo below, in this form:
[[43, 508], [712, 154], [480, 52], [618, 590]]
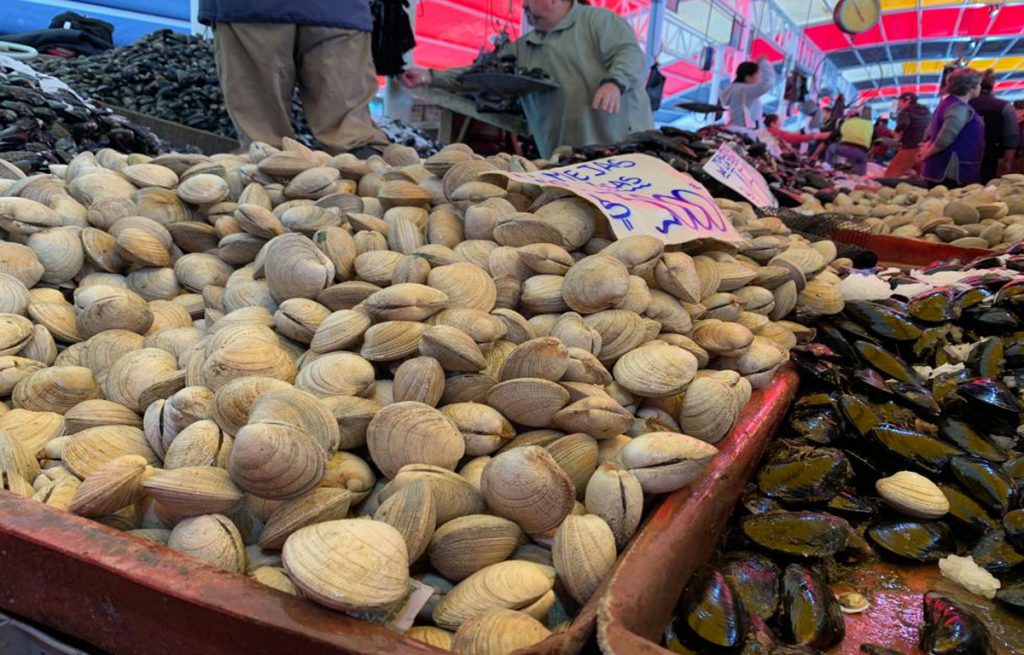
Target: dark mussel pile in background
[[173, 76], [41, 127], [687, 151], [924, 382]]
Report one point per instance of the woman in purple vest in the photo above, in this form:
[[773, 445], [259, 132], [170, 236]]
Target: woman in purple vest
[[956, 135]]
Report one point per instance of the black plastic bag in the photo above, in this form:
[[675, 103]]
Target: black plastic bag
[[101, 30], [392, 36], [655, 87]]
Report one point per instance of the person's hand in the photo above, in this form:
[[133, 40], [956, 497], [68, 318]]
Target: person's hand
[[607, 98], [924, 152], [415, 77], [823, 136]]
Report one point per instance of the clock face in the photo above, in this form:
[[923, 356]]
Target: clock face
[[856, 16]]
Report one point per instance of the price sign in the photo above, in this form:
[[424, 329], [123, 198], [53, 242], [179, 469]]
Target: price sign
[[641, 194], [732, 170]]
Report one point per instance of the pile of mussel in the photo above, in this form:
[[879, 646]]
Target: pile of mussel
[[902, 446], [39, 128]]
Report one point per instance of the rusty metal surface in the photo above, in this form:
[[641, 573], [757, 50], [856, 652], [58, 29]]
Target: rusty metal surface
[[128, 595], [681, 534]]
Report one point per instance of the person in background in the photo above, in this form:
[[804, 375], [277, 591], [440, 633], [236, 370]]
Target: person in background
[[1018, 106], [854, 141], [743, 96], [789, 139], [911, 125], [593, 55], [956, 134], [882, 140], [265, 47], [1002, 134]]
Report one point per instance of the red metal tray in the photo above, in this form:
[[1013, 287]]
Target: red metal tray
[[127, 595], [904, 252], [642, 591]]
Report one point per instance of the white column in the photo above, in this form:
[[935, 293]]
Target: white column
[[197, 27], [655, 29]]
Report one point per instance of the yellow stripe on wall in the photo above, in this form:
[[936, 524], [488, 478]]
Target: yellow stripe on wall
[[935, 66]]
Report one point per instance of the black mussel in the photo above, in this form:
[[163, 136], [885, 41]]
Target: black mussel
[[987, 358], [919, 450], [838, 342], [985, 482], [811, 615], [915, 397], [865, 468], [814, 401], [804, 474], [1012, 595], [755, 503], [920, 541], [944, 390], [871, 382], [1013, 351], [1016, 249], [712, 610], [818, 369], [949, 629], [892, 303], [1013, 524], [954, 264], [935, 306], [804, 534], [874, 649], [1014, 378], [991, 402], [855, 330], [972, 442], [1015, 262], [1015, 469], [966, 511], [819, 350], [884, 361], [756, 579], [846, 503], [860, 414], [882, 320], [994, 319], [995, 554], [972, 297], [985, 261], [821, 425], [991, 279], [930, 341], [1011, 294]]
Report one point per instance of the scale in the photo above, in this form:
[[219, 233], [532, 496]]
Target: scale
[[857, 16]]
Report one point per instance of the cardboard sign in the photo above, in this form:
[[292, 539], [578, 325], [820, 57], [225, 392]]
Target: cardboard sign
[[732, 170], [641, 195]]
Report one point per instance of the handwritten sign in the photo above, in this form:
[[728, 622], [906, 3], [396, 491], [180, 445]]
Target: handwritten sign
[[732, 170], [641, 195]]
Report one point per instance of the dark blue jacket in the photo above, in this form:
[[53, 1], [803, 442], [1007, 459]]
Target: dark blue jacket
[[349, 14]]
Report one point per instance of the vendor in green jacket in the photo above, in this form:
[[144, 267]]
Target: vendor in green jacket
[[593, 56]]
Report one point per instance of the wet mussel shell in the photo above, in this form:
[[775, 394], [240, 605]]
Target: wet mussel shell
[[875, 649], [919, 541], [987, 358], [919, 450], [846, 503], [963, 435], [992, 403], [985, 482], [755, 579], [883, 320], [872, 383], [804, 474], [1012, 595], [935, 306], [811, 615], [859, 414], [966, 511], [801, 534], [995, 554], [1013, 524], [949, 629], [820, 425], [712, 610], [915, 397]]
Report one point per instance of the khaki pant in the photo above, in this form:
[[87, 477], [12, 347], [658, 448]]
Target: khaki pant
[[260, 63]]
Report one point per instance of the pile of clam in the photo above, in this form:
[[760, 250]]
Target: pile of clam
[[974, 216], [329, 374]]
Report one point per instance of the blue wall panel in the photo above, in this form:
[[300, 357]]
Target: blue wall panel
[[132, 19]]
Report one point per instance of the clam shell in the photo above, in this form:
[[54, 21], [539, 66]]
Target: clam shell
[[655, 369], [295, 267], [505, 585], [528, 401], [391, 340], [337, 374], [913, 494], [465, 285], [453, 495], [666, 461], [319, 505], [90, 449], [340, 330], [33, 430], [544, 357], [56, 389], [583, 552], [15, 333], [411, 511], [576, 455], [483, 428], [212, 538], [141, 376], [467, 544], [498, 631], [194, 490], [452, 348], [353, 565], [348, 471], [275, 578], [198, 444], [615, 495], [14, 369], [413, 433], [620, 331], [597, 416], [820, 298], [233, 401], [709, 410], [595, 283], [279, 462], [353, 416], [723, 338], [420, 379], [677, 275], [428, 634], [20, 262], [526, 485]]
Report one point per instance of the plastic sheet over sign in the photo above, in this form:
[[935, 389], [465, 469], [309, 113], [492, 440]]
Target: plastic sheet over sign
[[641, 195]]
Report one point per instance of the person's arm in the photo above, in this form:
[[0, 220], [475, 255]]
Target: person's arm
[[767, 82], [622, 58], [796, 137], [955, 119], [446, 80], [1011, 137]]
